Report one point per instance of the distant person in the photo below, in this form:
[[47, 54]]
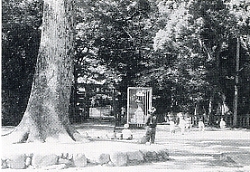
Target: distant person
[[118, 119], [188, 123], [182, 122], [151, 124], [172, 126], [201, 125], [93, 102], [182, 125], [126, 133], [123, 112], [222, 123]]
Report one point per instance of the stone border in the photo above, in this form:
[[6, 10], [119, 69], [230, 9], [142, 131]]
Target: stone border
[[66, 160]]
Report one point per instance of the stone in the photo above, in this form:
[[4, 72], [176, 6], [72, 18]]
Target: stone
[[142, 140], [61, 166], [28, 161], [162, 155], [103, 158], [109, 164], [79, 160], [67, 162], [65, 155], [55, 167], [151, 156], [4, 164], [30, 167], [96, 158], [144, 152], [70, 156], [17, 161], [44, 160], [135, 157], [119, 158]]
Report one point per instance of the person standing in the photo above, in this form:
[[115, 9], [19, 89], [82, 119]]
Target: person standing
[[151, 124], [222, 123], [201, 124], [182, 124], [172, 126]]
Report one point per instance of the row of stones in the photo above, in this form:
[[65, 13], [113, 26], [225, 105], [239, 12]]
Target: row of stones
[[65, 160]]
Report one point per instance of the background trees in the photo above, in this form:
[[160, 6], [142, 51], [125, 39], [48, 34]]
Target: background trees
[[203, 33], [184, 50], [20, 42]]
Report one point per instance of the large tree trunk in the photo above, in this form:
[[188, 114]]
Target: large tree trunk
[[46, 117]]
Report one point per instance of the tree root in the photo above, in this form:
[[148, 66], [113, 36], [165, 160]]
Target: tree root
[[16, 137], [22, 135]]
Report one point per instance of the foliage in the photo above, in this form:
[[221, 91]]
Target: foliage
[[201, 33], [20, 42], [115, 34]]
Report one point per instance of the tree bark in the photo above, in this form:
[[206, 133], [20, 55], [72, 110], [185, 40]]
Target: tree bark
[[235, 103], [46, 116]]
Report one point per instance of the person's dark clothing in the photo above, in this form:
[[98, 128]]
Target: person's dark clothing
[[151, 121], [151, 128]]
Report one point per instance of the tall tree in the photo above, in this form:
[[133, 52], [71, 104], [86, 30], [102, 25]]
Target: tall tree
[[46, 115]]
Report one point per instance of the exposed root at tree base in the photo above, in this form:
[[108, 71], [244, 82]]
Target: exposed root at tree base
[[17, 136]]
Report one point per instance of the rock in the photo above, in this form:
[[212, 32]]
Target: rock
[[103, 158], [150, 156], [44, 160], [109, 164], [96, 158], [80, 138], [67, 162], [17, 161], [4, 164], [61, 166], [65, 155], [55, 167], [162, 155], [119, 158], [28, 161], [79, 160], [70, 156], [142, 140], [135, 157]]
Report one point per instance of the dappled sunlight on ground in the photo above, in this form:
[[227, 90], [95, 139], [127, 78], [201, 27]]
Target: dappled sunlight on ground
[[211, 150]]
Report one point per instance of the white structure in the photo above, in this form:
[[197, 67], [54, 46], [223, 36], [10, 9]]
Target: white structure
[[139, 101]]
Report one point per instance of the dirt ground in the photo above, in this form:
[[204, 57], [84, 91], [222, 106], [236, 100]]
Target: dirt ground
[[211, 150]]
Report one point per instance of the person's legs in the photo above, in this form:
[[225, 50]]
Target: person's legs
[[148, 134], [153, 130], [182, 129]]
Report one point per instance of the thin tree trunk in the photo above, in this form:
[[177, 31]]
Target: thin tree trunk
[[210, 108], [235, 115], [46, 117]]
